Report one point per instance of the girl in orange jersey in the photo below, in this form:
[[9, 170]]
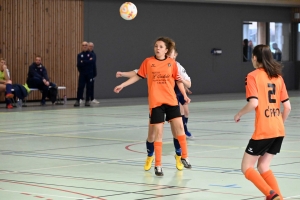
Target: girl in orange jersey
[[161, 73], [265, 89], [185, 79]]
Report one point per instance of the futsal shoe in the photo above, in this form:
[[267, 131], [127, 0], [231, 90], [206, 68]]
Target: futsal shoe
[[189, 135], [186, 163], [158, 171], [179, 164], [273, 196], [148, 163]]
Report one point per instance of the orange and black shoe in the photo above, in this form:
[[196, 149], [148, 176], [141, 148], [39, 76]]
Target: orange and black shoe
[[9, 106], [9, 96], [273, 196]]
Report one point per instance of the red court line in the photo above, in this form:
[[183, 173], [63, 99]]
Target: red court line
[[68, 191], [128, 147]]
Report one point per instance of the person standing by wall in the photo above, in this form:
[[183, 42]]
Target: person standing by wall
[[91, 49], [85, 64]]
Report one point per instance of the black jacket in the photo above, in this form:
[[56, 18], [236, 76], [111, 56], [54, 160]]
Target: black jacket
[[94, 67], [85, 62], [37, 71]]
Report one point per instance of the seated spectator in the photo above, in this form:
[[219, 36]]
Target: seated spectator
[[38, 78], [5, 83]]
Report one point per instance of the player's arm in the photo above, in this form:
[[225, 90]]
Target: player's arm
[[125, 74], [186, 83], [286, 110], [251, 105], [182, 90], [130, 81], [5, 71]]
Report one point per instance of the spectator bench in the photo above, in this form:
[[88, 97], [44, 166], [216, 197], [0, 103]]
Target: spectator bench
[[59, 100]]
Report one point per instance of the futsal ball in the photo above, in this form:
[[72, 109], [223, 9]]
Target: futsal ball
[[128, 11]]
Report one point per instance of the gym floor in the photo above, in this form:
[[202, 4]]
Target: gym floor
[[60, 152]]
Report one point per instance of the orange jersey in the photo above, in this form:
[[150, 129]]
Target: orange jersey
[[269, 92], [161, 76]]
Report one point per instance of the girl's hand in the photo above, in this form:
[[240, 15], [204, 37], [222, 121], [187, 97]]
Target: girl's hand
[[187, 99], [118, 89], [237, 118], [118, 74], [179, 78]]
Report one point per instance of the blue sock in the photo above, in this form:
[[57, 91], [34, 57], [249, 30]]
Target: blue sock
[[8, 88], [177, 147], [184, 123], [150, 148]]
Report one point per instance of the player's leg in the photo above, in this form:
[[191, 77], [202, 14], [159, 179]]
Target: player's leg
[[158, 131], [177, 156], [150, 147], [157, 119], [253, 151], [185, 118], [174, 116], [264, 162]]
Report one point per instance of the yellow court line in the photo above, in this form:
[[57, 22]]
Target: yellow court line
[[70, 136]]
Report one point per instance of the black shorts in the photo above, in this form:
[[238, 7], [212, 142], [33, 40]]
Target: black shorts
[[260, 147], [157, 114]]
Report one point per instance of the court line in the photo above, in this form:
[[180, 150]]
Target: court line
[[70, 136], [46, 187], [33, 193]]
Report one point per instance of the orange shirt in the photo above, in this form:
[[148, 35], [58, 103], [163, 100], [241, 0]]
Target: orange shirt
[[269, 92], [161, 76]]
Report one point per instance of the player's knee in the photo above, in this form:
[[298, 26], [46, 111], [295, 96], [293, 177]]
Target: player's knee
[[262, 167], [245, 167]]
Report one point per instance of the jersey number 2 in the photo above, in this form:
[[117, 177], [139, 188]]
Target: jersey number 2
[[271, 92]]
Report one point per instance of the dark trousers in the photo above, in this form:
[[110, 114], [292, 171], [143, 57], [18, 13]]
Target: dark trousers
[[84, 80], [39, 84], [92, 89]]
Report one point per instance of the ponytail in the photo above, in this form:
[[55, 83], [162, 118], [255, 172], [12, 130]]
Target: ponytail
[[264, 56]]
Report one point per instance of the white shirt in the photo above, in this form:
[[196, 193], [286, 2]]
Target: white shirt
[[182, 72]]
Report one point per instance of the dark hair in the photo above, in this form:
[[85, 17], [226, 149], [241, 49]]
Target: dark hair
[[265, 57], [170, 44]]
